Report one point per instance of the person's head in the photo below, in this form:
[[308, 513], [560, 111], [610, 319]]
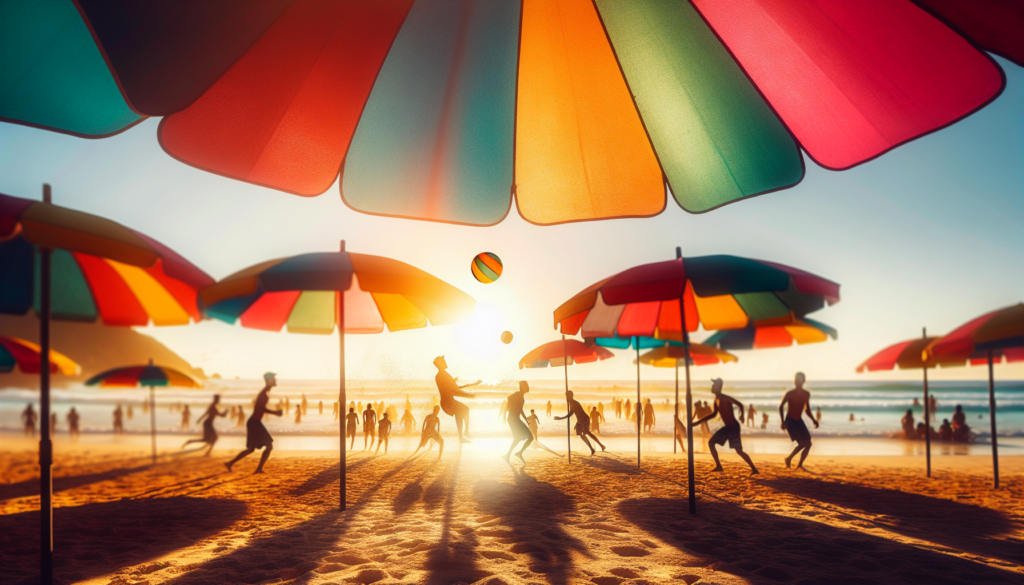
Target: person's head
[[532, 411], [270, 379], [799, 379], [385, 416], [568, 394], [910, 412], [524, 387], [440, 363], [352, 409], [716, 386], [369, 406], [593, 409], [945, 421], [216, 398], [437, 409], [959, 408]]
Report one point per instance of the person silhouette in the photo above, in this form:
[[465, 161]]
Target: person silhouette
[[449, 389], [186, 417], [751, 413], [648, 416], [596, 418], [383, 433], [582, 421], [799, 401], [369, 426], [305, 403], [72, 419], [118, 420], [680, 433], [351, 426], [320, 407], [723, 406], [335, 410], [909, 432], [549, 409], [240, 414], [29, 417], [208, 418], [533, 421], [256, 435], [408, 421], [503, 410], [431, 431], [298, 414], [516, 416]]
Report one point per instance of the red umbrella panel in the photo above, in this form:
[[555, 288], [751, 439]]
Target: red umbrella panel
[[27, 357]]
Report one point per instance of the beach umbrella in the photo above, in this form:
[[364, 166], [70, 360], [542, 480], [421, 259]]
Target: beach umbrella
[[321, 291], [27, 357], [74, 266], [987, 339], [149, 376], [800, 331], [563, 353], [445, 111], [668, 300]]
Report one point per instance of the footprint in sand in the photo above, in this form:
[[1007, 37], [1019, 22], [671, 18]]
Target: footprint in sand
[[367, 576], [630, 551], [624, 573], [496, 554]]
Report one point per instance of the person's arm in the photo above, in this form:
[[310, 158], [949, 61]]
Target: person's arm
[[569, 414], [807, 409], [714, 413], [782, 415], [740, 404], [423, 429]]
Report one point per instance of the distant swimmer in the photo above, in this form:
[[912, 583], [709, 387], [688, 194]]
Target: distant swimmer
[[29, 418], [351, 424], [369, 426], [799, 401], [723, 407], [582, 421], [256, 435], [516, 421], [449, 389], [383, 433], [408, 421], [208, 418], [431, 431]]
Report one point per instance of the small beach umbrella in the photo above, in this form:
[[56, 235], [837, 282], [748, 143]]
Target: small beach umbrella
[[149, 376], [800, 331], [563, 353], [321, 291], [668, 300], [26, 356], [987, 339], [445, 110], [73, 266]]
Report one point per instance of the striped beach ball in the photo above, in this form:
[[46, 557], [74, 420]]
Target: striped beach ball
[[486, 267]]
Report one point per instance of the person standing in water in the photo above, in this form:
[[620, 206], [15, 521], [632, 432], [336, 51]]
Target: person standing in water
[[298, 414], [73, 423], [799, 401], [186, 417], [29, 417], [582, 421], [648, 416], [520, 431], [731, 431], [449, 389], [118, 420], [549, 409], [431, 431], [383, 433], [351, 424], [208, 418], [408, 421], [596, 418], [256, 435], [369, 426]]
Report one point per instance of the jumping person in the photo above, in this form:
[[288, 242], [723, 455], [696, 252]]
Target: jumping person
[[351, 423], [731, 431], [383, 433], [582, 421], [369, 425], [520, 431], [449, 389], [208, 418], [256, 435], [799, 401], [431, 431]]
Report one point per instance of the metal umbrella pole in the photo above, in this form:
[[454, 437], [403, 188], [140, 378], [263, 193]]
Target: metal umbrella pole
[[341, 390], [45, 444], [992, 421], [637, 407], [927, 407], [565, 365]]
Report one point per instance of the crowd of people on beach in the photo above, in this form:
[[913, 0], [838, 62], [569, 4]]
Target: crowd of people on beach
[[957, 431]]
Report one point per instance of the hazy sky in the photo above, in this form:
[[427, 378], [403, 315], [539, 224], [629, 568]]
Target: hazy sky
[[931, 234]]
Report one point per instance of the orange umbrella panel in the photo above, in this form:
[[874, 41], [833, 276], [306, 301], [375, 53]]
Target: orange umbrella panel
[[26, 356], [558, 353]]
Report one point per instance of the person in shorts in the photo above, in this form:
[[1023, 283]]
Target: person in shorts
[[256, 435], [431, 431], [731, 431], [799, 401], [582, 421], [351, 426]]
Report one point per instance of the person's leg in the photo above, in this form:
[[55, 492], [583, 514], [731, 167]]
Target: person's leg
[[598, 441], [440, 447], [753, 470], [789, 459], [515, 442], [807, 449], [386, 439], [263, 459], [584, 437], [714, 455], [529, 441], [238, 458], [190, 441]]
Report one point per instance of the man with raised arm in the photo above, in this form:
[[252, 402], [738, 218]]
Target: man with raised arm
[[449, 389], [256, 435], [582, 421], [799, 401], [731, 431]]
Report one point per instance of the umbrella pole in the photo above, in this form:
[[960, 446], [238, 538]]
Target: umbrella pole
[[152, 421], [992, 419], [341, 392], [45, 444], [639, 411], [675, 443], [689, 404], [565, 364], [927, 422]]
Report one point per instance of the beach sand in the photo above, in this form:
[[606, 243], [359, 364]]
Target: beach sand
[[472, 518]]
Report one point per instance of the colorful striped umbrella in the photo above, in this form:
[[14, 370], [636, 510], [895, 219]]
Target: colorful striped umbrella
[[27, 356], [562, 353], [445, 111], [149, 376], [800, 331], [74, 266], [667, 300], [357, 293], [987, 339]]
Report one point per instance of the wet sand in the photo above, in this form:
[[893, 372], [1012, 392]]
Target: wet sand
[[472, 518]]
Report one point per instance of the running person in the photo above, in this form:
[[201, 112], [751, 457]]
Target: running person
[[520, 431], [731, 431], [351, 425], [208, 418], [799, 401], [449, 389], [431, 430], [256, 435], [383, 433], [582, 421], [369, 425]]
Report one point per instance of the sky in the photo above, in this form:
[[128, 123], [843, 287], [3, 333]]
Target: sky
[[928, 235]]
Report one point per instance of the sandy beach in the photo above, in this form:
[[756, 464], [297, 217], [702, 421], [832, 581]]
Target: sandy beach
[[472, 518]]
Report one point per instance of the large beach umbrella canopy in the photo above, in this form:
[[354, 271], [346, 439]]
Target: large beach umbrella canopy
[[987, 339], [150, 376], [27, 357], [445, 111], [74, 266], [800, 332], [563, 353], [321, 291], [668, 300]]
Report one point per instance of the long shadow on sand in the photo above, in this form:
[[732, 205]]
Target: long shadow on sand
[[327, 476], [954, 524], [763, 548], [30, 487], [452, 559], [95, 539], [532, 514]]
